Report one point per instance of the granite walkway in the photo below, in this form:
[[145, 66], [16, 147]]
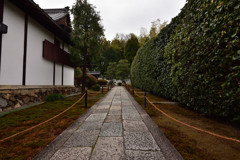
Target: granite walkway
[[114, 128]]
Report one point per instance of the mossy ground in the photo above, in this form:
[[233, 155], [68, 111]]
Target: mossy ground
[[192, 144], [28, 145]]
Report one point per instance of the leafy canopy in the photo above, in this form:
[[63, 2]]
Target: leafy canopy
[[87, 32]]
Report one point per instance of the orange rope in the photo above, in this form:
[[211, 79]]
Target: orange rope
[[138, 95], [198, 129], [42, 122]]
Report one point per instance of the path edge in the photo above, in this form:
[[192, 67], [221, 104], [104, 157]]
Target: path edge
[[167, 148]]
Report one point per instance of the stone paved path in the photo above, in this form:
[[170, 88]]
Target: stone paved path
[[115, 128]]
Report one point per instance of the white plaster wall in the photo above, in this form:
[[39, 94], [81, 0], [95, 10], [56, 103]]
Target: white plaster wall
[[12, 46], [68, 75], [58, 74], [39, 70]]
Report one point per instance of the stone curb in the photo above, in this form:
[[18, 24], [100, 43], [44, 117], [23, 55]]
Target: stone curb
[[168, 150]]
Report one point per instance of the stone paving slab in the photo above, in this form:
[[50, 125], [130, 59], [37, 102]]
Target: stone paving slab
[[100, 111], [113, 119], [115, 112], [140, 141], [109, 148], [111, 130], [72, 153], [133, 117], [144, 155], [91, 125], [134, 126], [97, 117], [117, 107], [82, 138], [129, 110]]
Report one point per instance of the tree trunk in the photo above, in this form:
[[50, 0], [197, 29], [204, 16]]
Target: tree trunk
[[84, 73]]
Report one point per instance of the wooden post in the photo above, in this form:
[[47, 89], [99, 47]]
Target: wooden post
[[102, 89], [86, 98], [133, 91], [145, 100], [108, 87]]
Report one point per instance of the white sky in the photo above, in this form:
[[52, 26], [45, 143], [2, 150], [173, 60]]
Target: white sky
[[125, 16]]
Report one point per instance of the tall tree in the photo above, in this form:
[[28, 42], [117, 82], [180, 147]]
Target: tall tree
[[156, 27], [111, 71], [86, 36], [123, 70], [131, 48], [143, 38]]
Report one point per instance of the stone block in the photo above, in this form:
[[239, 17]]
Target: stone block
[[144, 155], [140, 141], [82, 153], [26, 99], [17, 105], [89, 125], [3, 102], [108, 148], [113, 119], [24, 92], [132, 117], [111, 130], [7, 96], [97, 117], [82, 138], [134, 126]]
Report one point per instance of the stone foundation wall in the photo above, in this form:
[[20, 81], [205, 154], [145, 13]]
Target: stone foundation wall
[[14, 98]]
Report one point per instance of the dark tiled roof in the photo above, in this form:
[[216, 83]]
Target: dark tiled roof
[[57, 14], [33, 10]]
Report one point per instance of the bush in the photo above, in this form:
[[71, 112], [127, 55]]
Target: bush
[[119, 84], [90, 80], [96, 87], [102, 82], [195, 59], [53, 97]]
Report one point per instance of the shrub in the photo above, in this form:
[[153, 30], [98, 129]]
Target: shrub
[[96, 87], [119, 84], [102, 82], [53, 97], [90, 80]]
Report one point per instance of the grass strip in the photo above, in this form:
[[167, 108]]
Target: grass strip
[[29, 144]]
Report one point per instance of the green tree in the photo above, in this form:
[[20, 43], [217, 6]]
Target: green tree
[[131, 48], [86, 36], [123, 70], [157, 26], [143, 38], [118, 44], [111, 71]]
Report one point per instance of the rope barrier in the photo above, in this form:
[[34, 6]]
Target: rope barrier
[[43, 122], [190, 126], [185, 124]]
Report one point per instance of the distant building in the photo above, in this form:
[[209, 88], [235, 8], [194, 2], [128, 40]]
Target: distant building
[[95, 73]]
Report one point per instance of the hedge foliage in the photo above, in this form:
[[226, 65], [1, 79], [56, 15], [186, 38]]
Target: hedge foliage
[[196, 59]]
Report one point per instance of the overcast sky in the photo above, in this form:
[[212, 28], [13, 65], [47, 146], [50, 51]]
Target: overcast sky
[[126, 16]]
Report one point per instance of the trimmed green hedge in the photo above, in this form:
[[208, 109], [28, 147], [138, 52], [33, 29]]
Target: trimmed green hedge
[[150, 71], [200, 64]]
